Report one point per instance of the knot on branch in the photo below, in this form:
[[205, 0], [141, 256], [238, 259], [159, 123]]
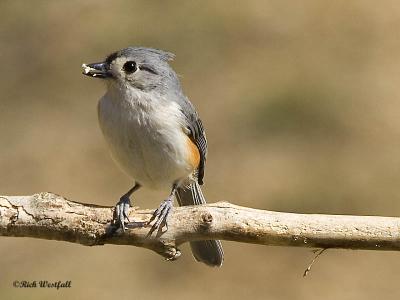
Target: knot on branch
[[169, 251], [206, 219]]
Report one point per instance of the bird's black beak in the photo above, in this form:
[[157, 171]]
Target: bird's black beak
[[97, 70]]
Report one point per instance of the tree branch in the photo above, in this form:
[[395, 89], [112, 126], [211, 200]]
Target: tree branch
[[49, 216]]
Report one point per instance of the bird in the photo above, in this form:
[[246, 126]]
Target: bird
[[154, 134]]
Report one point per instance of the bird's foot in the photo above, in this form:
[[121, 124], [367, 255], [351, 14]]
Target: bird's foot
[[160, 216], [121, 212]]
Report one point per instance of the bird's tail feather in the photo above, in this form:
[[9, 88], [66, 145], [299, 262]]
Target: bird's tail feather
[[209, 252]]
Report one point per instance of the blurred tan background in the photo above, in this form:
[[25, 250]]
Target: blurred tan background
[[301, 105]]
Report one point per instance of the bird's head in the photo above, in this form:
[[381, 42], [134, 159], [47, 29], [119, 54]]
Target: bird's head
[[139, 68]]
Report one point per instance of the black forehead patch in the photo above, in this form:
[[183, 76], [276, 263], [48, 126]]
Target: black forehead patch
[[141, 52], [111, 57]]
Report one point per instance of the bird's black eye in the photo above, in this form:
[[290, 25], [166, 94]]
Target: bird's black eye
[[130, 66]]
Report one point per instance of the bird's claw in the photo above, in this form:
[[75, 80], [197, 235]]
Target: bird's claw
[[121, 212], [160, 215]]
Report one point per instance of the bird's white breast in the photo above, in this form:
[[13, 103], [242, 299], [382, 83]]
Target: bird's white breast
[[146, 137]]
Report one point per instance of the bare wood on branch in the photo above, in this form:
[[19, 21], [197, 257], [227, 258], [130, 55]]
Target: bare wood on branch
[[49, 216]]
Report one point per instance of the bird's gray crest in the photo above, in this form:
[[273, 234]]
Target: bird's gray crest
[[141, 51]]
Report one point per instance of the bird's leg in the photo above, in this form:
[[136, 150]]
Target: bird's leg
[[162, 212], [122, 208]]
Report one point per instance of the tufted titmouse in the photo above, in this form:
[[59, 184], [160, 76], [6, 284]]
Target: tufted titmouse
[[154, 133]]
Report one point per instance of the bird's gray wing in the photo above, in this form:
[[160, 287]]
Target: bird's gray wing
[[197, 134]]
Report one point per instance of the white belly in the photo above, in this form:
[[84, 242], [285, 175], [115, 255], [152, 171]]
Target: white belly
[[146, 140]]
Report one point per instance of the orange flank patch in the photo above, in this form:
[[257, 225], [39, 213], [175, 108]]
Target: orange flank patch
[[194, 154]]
